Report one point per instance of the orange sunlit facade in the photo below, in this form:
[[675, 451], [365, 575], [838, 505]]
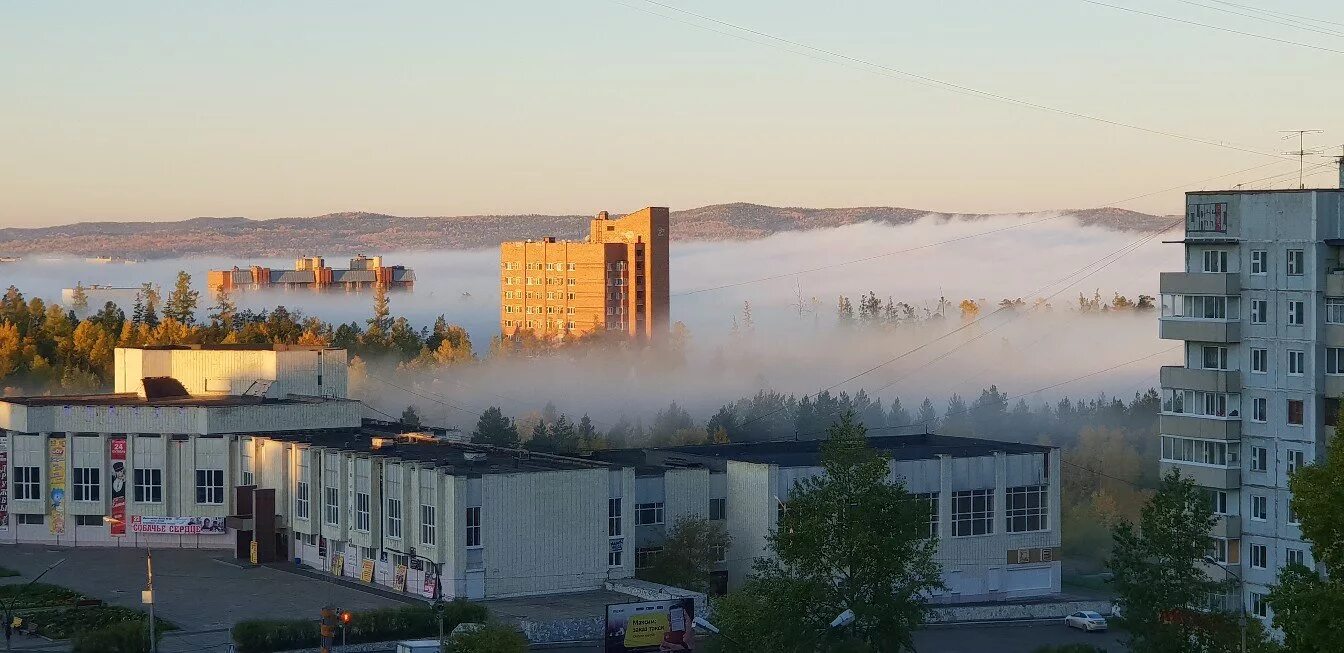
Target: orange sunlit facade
[[616, 280]]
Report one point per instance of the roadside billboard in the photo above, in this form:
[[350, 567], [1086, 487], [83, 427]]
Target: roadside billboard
[[178, 525], [649, 626]]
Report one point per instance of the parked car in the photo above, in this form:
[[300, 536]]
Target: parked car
[[1086, 620]]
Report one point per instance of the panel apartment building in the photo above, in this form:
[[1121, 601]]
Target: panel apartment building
[[1260, 307], [616, 280]]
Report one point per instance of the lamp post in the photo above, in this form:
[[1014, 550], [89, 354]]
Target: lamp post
[[1241, 597], [9, 605]]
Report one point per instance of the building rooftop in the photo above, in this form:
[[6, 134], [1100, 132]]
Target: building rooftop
[[244, 347], [132, 399], [807, 453], [1257, 191]]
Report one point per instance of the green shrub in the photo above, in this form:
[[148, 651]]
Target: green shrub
[[490, 638], [68, 623], [462, 611], [383, 624], [38, 595], [6, 571], [123, 637], [391, 623], [265, 635]]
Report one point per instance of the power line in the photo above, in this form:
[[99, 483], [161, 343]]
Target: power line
[[1280, 13], [1212, 27], [1268, 19]]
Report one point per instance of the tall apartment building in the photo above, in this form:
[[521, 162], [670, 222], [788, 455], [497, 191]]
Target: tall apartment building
[[1260, 307], [616, 280]]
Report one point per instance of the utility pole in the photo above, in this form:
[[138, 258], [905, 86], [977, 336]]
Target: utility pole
[[1302, 152]]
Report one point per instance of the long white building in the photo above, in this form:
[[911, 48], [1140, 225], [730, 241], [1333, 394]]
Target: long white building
[[1260, 308]]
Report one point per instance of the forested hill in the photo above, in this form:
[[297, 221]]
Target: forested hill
[[348, 233]]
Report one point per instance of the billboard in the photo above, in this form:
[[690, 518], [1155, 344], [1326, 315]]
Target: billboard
[[178, 525], [647, 626], [56, 481], [117, 527], [4, 483]]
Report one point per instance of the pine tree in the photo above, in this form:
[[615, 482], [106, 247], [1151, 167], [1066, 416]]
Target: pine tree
[[223, 312], [79, 300], [182, 301]]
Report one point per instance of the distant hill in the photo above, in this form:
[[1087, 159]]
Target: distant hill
[[354, 232]]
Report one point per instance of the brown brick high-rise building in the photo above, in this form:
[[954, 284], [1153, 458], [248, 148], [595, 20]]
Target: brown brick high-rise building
[[615, 280]]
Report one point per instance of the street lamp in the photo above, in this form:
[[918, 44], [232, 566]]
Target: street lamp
[[9, 605], [1241, 597]]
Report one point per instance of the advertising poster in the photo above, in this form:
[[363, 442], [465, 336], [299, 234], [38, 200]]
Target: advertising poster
[[178, 525], [117, 527], [4, 484], [366, 571], [648, 626], [338, 564], [430, 584], [399, 578], [56, 481]]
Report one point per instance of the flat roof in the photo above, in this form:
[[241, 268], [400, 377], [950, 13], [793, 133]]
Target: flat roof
[[245, 347], [133, 399], [807, 453], [456, 458], [1255, 191]]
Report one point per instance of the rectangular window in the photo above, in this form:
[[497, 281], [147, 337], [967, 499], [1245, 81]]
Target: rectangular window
[[1259, 360], [1259, 261], [718, 509], [1334, 310], [1201, 403], [1295, 412], [1202, 307], [1259, 603], [1027, 509], [1292, 514], [148, 486], [394, 518], [929, 500], [86, 485], [648, 513], [972, 512], [1200, 452], [1297, 459], [1259, 556], [210, 486], [88, 520], [32, 519], [614, 517], [1217, 501], [427, 534], [362, 520], [1334, 360], [1297, 363], [1297, 313], [301, 500], [27, 483], [1259, 409], [1296, 262], [1259, 459], [474, 526], [615, 553], [1259, 311], [331, 505], [1215, 358], [245, 461], [1296, 557], [644, 557], [1259, 508], [1215, 260]]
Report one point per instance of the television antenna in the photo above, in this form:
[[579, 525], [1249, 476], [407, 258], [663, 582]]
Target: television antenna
[[1302, 152]]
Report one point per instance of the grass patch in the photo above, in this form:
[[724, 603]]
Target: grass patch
[[58, 615], [6, 572]]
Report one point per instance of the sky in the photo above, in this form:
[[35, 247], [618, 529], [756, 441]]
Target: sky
[[163, 111]]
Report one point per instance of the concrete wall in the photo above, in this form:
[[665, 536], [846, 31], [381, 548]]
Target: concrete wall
[[200, 420], [315, 372]]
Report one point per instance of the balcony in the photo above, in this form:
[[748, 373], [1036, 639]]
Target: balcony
[[1204, 428], [1334, 284], [1228, 527], [1185, 328], [1175, 376], [1199, 283], [1222, 478]]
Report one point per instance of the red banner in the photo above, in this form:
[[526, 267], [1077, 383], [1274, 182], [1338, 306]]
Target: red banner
[[118, 524]]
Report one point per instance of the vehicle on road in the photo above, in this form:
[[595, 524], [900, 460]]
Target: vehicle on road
[[1086, 620], [419, 646]]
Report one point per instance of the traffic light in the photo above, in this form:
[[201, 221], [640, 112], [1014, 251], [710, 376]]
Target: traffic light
[[345, 618]]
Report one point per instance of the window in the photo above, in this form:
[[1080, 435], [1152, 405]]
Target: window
[[32, 519], [27, 483], [644, 557], [930, 500], [86, 485], [1027, 509], [362, 520], [1293, 518], [648, 513], [614, 517], [1215, 260], [1259, 556], [148, 486], [88, 520], [1297, 363], [1259, 409], [331, 506], [615, 552], [1259, 261], [1259, 311], [474, 526], [720, 553], [718, 508], [1204, 307], [1200, 452], [1259, 508], [1201, 403], [1217, 501], [1295, 409], [1260, 605], [1296, 557], [1334, 310], [301, 500], [1218, 549], [427, 534], [245, 461], [1334, 360], [1259, 360], [1215, 358], [972, 512], [1297, 313], [1296, 262], [394, 518], [1259, 459], [210, 486]]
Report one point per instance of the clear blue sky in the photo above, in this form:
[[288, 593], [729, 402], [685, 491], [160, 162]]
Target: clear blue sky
[[165, 110]]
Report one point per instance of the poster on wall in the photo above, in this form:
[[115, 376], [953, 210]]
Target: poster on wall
[[431, 584], [4, 483], [366, 571], [178, 525], [399, 578], [646, 626], [337, 564], [56, 481], [117, 527]]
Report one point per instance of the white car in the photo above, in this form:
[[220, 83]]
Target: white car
[[1086, 620]]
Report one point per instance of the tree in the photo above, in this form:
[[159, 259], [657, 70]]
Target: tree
[[378, 337], [224, 310], [690, 553], [490, 637], [1309, 606], [1160, 583], [182, 301], [848, 539], [149, 294], [410, 417], [79, 299], [541, 439], [493, 428]]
